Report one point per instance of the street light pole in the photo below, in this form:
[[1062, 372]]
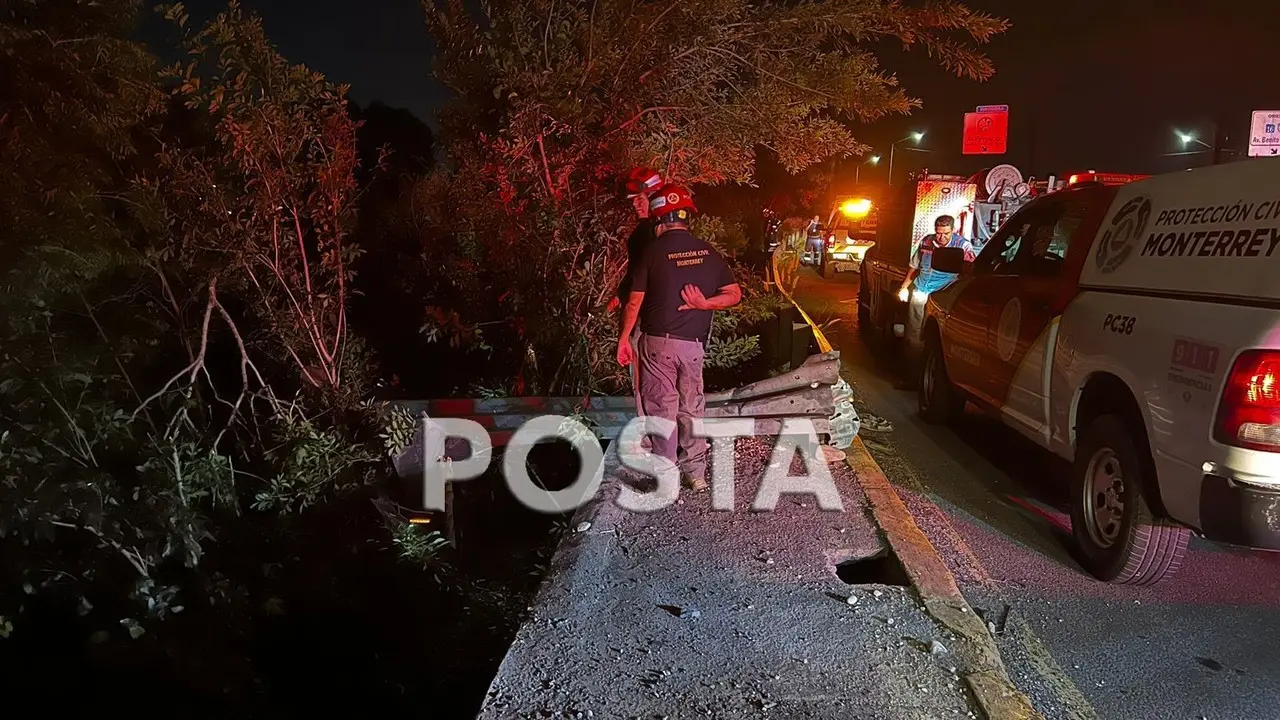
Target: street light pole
[[857, 170], [1188, 138], [915, 136]]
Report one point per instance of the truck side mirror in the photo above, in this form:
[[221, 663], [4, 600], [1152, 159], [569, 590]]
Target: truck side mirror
[[948, 260]]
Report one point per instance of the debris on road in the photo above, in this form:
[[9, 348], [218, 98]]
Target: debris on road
[[682, 612], [875, 423]]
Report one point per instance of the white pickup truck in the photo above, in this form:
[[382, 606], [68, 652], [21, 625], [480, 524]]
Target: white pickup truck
[[1134, 331]]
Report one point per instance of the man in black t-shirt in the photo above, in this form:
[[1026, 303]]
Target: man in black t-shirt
[[677, 285], [641, 184]]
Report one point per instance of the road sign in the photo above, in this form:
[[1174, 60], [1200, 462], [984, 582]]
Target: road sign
[[986, 133], [992, 109], [1264, 134]]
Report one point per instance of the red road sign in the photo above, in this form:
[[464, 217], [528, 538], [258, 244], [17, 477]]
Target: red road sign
[[986, 133]]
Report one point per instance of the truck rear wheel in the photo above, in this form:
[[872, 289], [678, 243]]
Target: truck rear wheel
[[1120, 539], [939, 400]]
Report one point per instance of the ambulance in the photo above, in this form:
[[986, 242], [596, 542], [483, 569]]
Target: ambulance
[[851, 231], [1133, 330]]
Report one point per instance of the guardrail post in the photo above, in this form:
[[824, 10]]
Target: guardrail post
[[777, 339], [801, 339]]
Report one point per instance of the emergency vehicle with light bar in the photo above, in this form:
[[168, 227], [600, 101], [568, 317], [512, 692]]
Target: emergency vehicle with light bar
[[851, 233], [1133, 330]]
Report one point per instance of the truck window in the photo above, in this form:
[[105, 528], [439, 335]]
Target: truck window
[[998, 256], [1034, 242], [1053, 233]]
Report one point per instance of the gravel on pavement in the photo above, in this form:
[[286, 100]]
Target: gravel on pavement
[[693, 612]]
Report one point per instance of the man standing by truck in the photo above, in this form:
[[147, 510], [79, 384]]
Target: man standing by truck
[[926, 279], [678, 284], [641, 184]]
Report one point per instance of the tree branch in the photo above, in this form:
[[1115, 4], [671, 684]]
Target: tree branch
[[198, 362]]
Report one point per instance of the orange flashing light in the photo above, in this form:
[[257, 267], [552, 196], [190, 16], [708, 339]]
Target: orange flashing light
[[1104, 178], [855, 208]]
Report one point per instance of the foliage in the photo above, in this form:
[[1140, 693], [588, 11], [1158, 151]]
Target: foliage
[[419, 547], [398, 428], [172, 274], [729, 237], [555, 99], [313, 463], [729, 347], [74, 472], [263, 208]]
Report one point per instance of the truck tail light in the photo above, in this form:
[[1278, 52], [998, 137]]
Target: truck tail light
[[1249, 416], [831, 240]]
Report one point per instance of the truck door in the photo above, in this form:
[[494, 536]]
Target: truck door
[[967, 341], [1024, 292]]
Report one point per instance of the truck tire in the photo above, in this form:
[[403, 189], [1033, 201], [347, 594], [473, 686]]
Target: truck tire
[[940, 402], [1120, 539]]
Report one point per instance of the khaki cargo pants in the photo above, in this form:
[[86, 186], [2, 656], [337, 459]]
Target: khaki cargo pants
[[671, 387], [635, 369]]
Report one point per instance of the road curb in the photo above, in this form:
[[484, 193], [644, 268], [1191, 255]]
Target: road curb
[[986, 676]]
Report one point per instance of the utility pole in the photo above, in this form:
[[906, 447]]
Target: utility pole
[[915, 137], [1219, 139]]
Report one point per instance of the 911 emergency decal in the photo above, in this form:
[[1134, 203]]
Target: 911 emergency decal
[[1007, 330], [1192, 373]]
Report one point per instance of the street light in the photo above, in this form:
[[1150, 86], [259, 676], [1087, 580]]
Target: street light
[[1188, 138], [873, 160], [915, 137]]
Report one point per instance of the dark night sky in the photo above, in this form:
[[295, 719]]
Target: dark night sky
[[1106, 80]]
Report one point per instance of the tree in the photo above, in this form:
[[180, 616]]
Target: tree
[[76, 482], [555, 98], [265, 208], [175, 345]]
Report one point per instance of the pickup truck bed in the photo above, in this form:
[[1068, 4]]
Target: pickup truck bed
[[879, 308]]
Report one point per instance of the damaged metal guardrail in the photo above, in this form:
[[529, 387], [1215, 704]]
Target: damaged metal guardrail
[[813, 391]]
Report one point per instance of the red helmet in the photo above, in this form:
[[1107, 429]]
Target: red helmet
[[673, 204], [642, 181]]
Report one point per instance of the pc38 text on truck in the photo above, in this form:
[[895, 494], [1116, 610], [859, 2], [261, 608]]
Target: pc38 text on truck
[[1134, 331]]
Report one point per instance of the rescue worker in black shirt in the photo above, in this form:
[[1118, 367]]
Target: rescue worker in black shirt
[[641, 183], [677, 285]]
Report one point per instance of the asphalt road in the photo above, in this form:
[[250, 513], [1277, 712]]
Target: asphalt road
[[1204, 644], [695, 612]]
